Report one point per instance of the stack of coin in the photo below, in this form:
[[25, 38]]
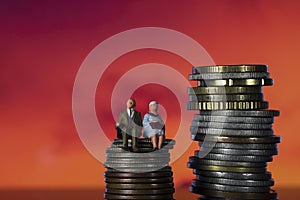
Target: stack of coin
[[234, 131], [145, 174]]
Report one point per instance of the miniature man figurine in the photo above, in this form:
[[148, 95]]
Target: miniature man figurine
[[154, 127], [130, 123]]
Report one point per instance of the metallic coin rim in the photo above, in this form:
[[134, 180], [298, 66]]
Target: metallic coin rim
[[138, 175], [230, 188], [139, 197], [144, 180], [245, 152], [244, 158], [230, 75], [243, 146], [250, 140], [232, 119], [237, 113], [227, 105], [228, 169], [233, 182], [223, 194], [203, 161], [143, 192], [139, 186], [227, 97], [224, 90], [243, 126], [236, 82], [230, 68], [197, 134], [234, 175]]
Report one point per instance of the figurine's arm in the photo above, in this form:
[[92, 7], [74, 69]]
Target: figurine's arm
[[163, 125], [146, 121], [121, 121], [139, 124], [140, 120]]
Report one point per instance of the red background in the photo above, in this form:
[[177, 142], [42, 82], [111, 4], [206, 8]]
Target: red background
[[43, 44]]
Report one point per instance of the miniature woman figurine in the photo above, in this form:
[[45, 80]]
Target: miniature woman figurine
[[154, 127]]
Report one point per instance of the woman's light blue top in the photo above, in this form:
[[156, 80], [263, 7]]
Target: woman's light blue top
[[148, 130]]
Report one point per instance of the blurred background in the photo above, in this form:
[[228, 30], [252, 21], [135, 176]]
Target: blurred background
[[43, 44]]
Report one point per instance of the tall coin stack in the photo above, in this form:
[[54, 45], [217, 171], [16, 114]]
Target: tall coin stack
[[145, 174], [234, 131]]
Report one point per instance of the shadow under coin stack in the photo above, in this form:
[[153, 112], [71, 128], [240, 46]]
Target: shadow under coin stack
[[234, 131], [145, 174]]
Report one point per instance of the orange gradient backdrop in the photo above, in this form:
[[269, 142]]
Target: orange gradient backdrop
[[43, 44]]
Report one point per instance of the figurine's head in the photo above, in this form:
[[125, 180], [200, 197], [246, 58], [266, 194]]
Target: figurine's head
[[153, 106], [131, 103]]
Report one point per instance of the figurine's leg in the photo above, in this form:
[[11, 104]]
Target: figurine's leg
[[160, 140], [125, 139], [134, 140], [154, 142]]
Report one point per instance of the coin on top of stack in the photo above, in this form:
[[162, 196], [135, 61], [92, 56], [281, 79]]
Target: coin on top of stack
[[234, 131], [145, 174]]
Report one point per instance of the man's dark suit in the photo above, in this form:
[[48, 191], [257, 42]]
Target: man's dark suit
[[130, 127]]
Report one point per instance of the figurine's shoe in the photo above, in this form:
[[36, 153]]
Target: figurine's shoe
[[125, 148], [135, 149], [155, 149]]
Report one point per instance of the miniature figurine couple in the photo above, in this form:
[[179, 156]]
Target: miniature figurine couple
[[130, 125]]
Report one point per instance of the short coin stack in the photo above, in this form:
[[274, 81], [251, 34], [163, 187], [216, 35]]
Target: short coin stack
[[145, 174], [234, 131]]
